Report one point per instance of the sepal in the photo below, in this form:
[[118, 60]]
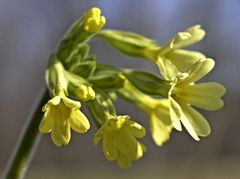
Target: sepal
[[101, 108], [55, 76], [108, 80], [85, 68], [128, 43], [147, 82]]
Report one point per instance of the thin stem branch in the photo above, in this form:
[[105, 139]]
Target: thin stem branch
[[27, 143]]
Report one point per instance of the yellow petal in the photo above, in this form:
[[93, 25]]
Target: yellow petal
[[183, 39], [71, 103], [79, 122], [196, 124], [67, 135], [166, 68], [109, 147], [141, 149], [205, 95], [124, 161], [55, 100], [160, 127], [186, 123], [188, 37], [135, 129], [45, 107], [183, 59], [175, 114], [125, 143], [46, 123], [199, 70], [61, 133]]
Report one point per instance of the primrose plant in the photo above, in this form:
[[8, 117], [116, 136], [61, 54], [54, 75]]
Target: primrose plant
[[74, 77]]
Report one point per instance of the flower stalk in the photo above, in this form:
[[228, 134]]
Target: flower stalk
[[28, 142]]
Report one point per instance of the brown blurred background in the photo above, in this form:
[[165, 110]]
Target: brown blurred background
[[30, 29]]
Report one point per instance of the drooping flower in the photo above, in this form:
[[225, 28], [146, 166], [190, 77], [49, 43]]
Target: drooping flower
[[62, 114], [160, 121], [119, 141], [185, 93], [157, 111]]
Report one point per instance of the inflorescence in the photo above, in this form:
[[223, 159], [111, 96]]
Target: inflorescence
[[73, 76]]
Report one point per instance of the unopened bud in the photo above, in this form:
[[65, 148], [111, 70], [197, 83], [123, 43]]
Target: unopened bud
[[93, 21]]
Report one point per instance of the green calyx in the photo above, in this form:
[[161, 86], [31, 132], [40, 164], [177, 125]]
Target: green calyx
[[148, 83], [101, 108], [128, 43]]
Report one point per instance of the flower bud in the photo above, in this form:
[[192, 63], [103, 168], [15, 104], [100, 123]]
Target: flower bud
[[81, 32], [84, 93], [79, 87], [128, 43], [93, 21]]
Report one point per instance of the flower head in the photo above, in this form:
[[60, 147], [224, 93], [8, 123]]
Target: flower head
[[93, 21], [62, 114], [185, 92], [119, 140]]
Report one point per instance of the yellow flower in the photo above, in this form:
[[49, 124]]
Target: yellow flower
[[119, 135], [62, 114], [185, 92], [93, 21]]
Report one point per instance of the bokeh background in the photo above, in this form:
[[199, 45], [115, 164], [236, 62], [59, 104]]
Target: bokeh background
[[30, 29]]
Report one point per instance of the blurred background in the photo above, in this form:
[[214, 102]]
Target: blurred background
[[31, 29]]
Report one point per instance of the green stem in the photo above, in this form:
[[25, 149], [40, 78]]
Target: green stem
[[28, 141]]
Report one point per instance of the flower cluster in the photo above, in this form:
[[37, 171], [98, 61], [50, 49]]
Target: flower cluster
[[179, 70], [73, 76]]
